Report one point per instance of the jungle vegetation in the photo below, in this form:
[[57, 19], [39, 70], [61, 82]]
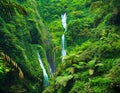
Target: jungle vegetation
[[92, 63]]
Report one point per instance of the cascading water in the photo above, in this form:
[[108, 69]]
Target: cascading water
[[45, 81], [64, 21], [63, 47], [63, 36]]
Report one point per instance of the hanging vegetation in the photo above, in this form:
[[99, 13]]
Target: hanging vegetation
[[88, 36]]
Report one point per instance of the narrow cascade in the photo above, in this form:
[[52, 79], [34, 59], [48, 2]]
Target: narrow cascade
[[45, 81], [64, 21], [63, 36], [63, 47]]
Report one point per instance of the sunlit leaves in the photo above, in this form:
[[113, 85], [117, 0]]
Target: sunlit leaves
[[62, 80], [91, 71], [4, 69], [91, 63], [70, 70]]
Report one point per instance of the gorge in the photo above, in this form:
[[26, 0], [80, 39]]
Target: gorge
[[59, 46]]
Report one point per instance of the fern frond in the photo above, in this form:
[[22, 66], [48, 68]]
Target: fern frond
[[9, 60]]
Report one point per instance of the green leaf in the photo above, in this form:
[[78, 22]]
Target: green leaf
[[99, 64], [91, 71], [91, 64], [76, 66], [62, 80]]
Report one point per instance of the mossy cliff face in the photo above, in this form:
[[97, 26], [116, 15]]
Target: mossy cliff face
[[21, 32]]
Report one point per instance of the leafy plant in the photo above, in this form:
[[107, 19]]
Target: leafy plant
[[62, 80], [8, 9], [14, 64], [92, 65]]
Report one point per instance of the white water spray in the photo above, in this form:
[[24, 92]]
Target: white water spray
[[63, 36], [64, 18], [63, 47], [45, 81]]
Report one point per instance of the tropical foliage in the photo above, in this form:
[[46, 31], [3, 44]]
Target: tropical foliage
[[92, 64]]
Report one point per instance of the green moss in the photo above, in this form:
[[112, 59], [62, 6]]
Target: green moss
[[92, 44]]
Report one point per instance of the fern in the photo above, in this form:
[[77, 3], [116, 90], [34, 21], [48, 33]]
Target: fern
[[7, 59], [62, 80], [91, 63]]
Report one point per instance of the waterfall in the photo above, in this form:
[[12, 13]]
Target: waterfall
[[63, 47], [63, 36], [64, 21], [45, 75]]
